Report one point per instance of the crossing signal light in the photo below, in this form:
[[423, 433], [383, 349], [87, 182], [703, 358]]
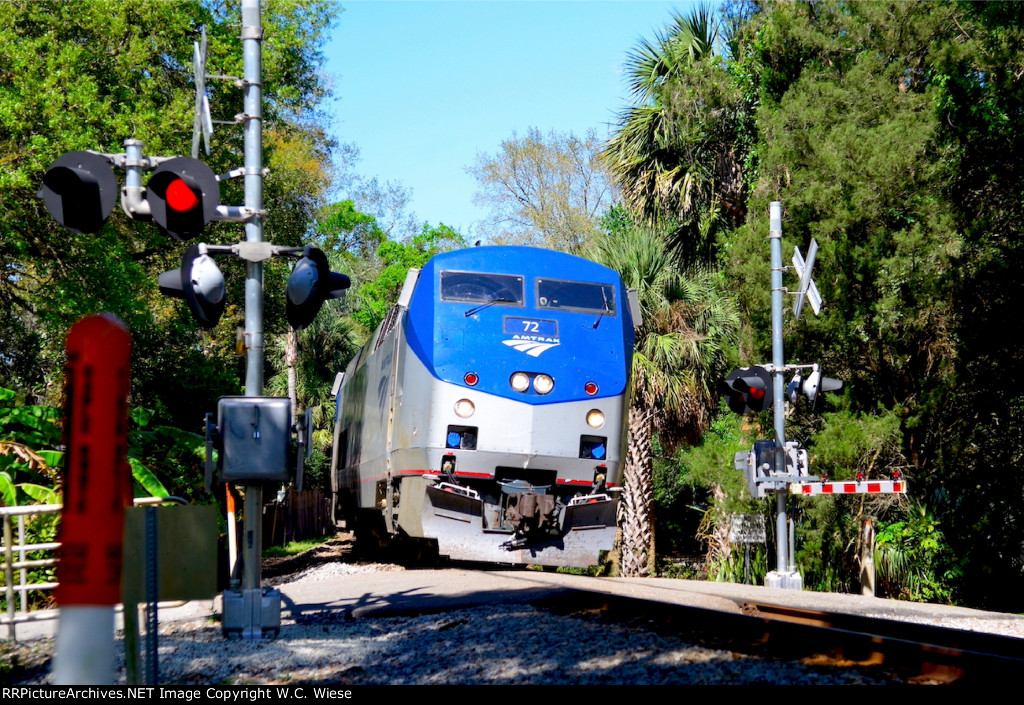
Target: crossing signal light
[[748, 389], [201, 283], [811, 386], [311, 283], [183, 196], [79, 191]]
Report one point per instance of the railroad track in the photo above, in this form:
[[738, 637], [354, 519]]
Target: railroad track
[[909, 652]]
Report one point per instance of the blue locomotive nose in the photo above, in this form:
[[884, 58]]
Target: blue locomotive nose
[[533, 326]]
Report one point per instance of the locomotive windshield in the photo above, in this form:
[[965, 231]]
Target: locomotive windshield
[[576, 296], [475, 287]]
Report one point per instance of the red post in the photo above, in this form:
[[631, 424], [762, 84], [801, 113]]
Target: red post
[[97, 478], [97, 487]]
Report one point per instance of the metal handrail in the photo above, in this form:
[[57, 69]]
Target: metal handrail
[[9, 565]]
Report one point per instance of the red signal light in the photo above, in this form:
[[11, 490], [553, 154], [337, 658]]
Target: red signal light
[[183, 195], [180, 197], [748, 389]]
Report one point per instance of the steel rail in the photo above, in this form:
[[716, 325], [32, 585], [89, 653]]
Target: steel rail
[[909, 652]]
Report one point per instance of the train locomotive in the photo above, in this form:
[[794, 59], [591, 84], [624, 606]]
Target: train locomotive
[[487, 413]]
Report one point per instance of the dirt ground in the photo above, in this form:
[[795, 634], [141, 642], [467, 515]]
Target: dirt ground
[[341, 549]]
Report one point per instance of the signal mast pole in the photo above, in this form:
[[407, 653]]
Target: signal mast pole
[[784, 575], [252, 36]]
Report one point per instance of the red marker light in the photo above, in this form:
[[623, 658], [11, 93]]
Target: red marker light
[[471, 378], [590, 388], [180, 197]]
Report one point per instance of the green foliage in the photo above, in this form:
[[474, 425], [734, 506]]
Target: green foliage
[[30, 467], [88, 75], [913, 245], [175, 457], [35, 426], [28, 476], [735, 567], [293, 548], [889, 132], [317, 470], [710, 463], [696, 492], [396, 259], [914, 561], [342, 228], [850, 442], [674, 155], [843, 444]]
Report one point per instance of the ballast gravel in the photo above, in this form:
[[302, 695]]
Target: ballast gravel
[[500, 644], [496, 644]]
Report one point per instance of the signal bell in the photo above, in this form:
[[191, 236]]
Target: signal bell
[[200, 282], [79, 191], [311, 283], [748, 389], [183, 196]]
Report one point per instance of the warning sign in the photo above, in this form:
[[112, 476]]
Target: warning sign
[[746, 528]]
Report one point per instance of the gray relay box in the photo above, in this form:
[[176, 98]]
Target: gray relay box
[[255, 433]]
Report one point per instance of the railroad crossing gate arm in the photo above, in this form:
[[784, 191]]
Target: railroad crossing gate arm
[[849, 487]]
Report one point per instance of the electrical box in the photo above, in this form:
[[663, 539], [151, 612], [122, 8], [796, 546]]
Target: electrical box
[[253, 437]]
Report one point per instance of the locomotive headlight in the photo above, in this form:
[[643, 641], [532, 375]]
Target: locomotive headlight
[[464, 408], [595, 418], [520, 381], [542, 384]]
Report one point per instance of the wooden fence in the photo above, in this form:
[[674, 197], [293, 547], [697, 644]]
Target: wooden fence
[[302, 515]]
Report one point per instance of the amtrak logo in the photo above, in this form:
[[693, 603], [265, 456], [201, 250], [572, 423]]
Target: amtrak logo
[[532, 345]]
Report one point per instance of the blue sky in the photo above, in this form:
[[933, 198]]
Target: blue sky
[[422, 87]]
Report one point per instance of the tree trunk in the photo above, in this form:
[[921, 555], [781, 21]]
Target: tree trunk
[[291, 359], [638, 498]]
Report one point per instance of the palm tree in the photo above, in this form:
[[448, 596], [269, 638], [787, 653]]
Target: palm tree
[[688, 324], [674, 154]]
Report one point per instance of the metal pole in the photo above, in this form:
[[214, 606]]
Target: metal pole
[[252, 36], [9, 577], [792, 544], [22, 555], [152, 596], [778, 361]]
